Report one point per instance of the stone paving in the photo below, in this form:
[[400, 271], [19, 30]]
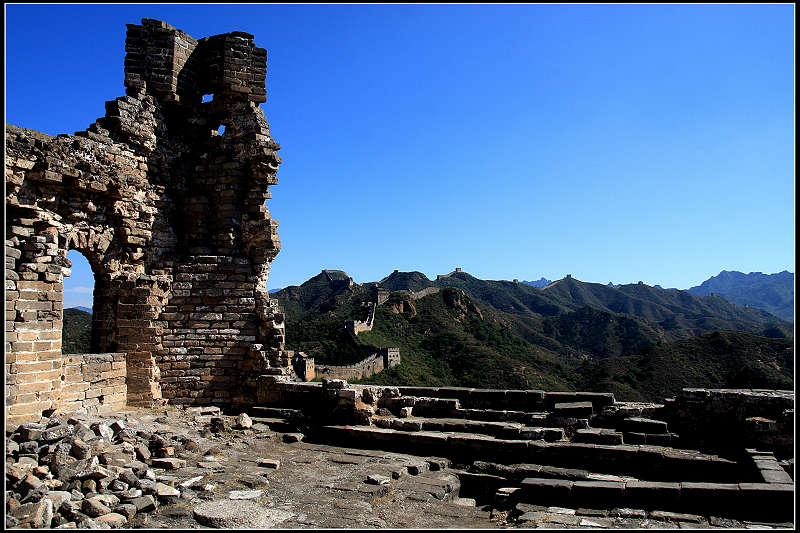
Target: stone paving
[[245, 475]]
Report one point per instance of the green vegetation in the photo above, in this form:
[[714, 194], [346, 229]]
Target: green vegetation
[[450, 341], [76, 335], [722, 359], [640, 342]]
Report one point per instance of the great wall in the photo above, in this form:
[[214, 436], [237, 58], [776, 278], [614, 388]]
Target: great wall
[[191, 411]]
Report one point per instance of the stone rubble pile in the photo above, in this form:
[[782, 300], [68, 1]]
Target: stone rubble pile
[[96, 473]]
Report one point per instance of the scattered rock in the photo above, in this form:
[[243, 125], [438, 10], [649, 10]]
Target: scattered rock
[[37, 515], [94, 507], [243, 421], [56, 433], [30, 431], [80, 449], [168, 463], [165, 491], [29, 483], [195, 482], [143, 453], [102, 430], [115, 520], [128, 510], [376, 479], [269, 463], [293, 437], [219, 425], [144, 504]]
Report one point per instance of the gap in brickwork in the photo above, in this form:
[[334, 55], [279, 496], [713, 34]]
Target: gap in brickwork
[[76, 332], [221, 129], [208, 98]]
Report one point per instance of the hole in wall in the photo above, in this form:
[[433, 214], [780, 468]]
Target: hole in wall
[[221, 130], [76, 331], [208, 98]]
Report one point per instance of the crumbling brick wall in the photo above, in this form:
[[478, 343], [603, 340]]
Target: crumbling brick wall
[[94, 382], [172, 218]]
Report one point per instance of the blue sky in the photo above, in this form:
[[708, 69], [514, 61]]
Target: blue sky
[[611, 142]]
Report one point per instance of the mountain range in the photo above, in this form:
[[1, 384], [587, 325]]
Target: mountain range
[[567, 335]]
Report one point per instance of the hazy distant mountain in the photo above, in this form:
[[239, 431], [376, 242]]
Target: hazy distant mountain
[[771, 292], [542, 282], [81, 308]]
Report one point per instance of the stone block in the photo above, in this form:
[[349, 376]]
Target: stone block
[[710, 497], [545, 491], [573, 409], [653, 494], [772, 501], [602, 492], [597, 436], [643, 425], [775, 476]]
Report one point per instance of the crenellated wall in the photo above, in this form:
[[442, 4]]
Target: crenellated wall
[[384, 358]]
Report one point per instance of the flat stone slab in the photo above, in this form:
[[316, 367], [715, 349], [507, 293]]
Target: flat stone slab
[[165, 491], [573, 409], [238, 514], [245, 494], [168, 463], [644, 425], [210, 465], [598, 436], [269, 463], [114, 520]]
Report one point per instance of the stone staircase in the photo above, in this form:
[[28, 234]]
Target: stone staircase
[[554, 430], [542, 448]]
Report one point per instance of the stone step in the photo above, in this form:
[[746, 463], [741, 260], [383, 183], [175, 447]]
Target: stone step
[[653, 439], [576, 414], [639, 461], [643, 425], [502, 430], [767, 467], [573, 410], [534, 419], [749, 501], [598, 436], [513, 474]]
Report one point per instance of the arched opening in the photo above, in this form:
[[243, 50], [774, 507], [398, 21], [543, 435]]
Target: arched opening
[[76, 332]]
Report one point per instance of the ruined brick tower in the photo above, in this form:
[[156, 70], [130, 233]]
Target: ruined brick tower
[[171, 215]]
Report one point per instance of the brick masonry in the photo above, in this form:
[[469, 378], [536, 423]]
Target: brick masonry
[[171, 215]]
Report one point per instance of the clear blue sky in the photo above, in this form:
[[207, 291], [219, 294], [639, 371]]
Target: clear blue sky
[[611, 142]]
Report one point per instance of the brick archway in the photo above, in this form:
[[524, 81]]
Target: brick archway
[[172, 218]]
